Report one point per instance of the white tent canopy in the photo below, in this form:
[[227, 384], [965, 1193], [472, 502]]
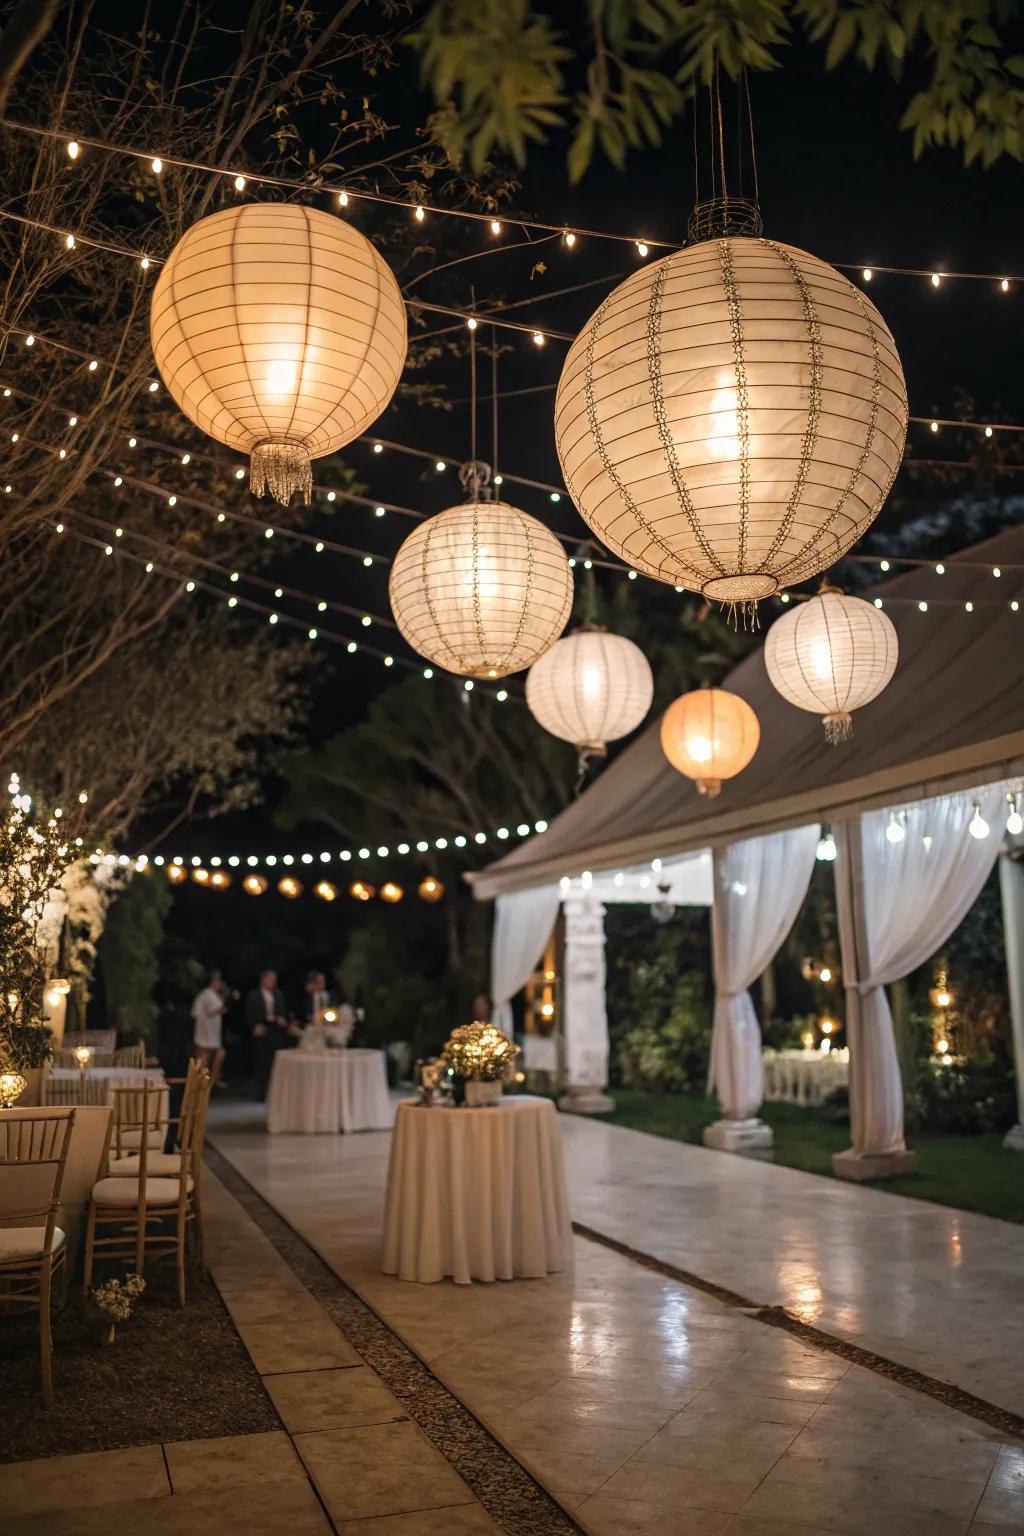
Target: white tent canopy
[[952, 718], [951, 721]]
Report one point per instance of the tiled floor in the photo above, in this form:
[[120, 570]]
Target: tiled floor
[[650, 1409]]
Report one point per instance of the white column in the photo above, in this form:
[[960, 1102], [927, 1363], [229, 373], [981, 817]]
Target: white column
[[584, 1013], [1011, 888]]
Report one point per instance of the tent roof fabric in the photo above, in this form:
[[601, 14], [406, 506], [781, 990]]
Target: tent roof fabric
[[952, 718]]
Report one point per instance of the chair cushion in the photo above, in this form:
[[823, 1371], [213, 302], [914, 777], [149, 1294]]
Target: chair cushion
[[158, 1165], [117, 1191], [26, 1242]]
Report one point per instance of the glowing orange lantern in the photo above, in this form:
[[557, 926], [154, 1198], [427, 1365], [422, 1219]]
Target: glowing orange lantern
[[325, 890], [361, 891], [254, 885], [176, 874], [391, 892], [709, 735], [430, 889], [290, 887]]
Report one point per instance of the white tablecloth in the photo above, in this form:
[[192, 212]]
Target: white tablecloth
[[477, 1194], [328, 1091], [100, 1080]]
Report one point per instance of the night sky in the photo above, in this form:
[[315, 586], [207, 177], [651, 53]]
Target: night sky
[[837, 177]]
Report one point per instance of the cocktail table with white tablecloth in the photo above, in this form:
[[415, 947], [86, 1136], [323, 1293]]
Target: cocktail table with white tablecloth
[[477, 1194], [328, 1091]]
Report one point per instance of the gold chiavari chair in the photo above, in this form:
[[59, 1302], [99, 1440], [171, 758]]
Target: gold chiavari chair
[[124, 1160], [198, 1086], [32, 1256], [66, 1090], [142, 1207], [130, 1055]]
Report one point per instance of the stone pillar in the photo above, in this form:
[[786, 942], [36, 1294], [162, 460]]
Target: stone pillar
[[1011, 889], [584, 1014]]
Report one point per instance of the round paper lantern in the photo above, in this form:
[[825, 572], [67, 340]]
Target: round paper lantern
[[709, 735], [830, 655], [430, 888], [590, 688], [280, 332], [390, 892], [481, 589], [290, 887], [254, 885], [732, 417]]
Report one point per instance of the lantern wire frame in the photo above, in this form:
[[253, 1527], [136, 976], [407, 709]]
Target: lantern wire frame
[[708, 735], [830, 655], [732, 418]]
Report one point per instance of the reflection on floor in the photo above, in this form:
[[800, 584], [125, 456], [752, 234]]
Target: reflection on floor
[[648, 1408]]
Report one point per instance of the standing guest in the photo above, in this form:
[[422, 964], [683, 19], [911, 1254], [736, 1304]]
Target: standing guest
[[318, 997], [208, 1025], [266, 1019]]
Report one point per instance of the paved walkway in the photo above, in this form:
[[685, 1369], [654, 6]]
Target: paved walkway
[[649, 1409], [937, 1289]]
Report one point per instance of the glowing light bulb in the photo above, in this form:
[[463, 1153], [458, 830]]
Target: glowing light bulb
[[69, 241], [239, 183], [996, 571], [440, 466], [378, 447], [825, 973], [1005, 285], [922, 607], [940, 569], [1015, 821], [495, 227], [936, 279], [641, 248], [74, 149], [934, 426], [978, 826], [538, 339], [895, 832], [826, 850], [569, 238], [420, 215], [471, 324], [968, 607], [867, 274], [988, 431], [156, 167], [883, 565]]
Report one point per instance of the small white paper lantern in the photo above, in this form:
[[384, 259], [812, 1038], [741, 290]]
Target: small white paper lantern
[[481, 589], [830, 655], [590, 688], [709, 735], [280, 332], [732, 417]]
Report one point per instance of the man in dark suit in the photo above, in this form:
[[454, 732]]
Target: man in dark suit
[[266, 1019]]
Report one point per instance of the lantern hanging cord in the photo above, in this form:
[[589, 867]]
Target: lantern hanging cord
[[494, 401], [750, 123], [721, 131], [472, 393]]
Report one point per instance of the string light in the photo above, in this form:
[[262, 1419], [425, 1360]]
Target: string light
[[642, 248], [538, 338], [73, 149], [936, 279], [239, 183], [1014, 821], [895, 832], [495, 227], [569, 238], [420, 215], [978, 826], [867, 274], [156, 166]]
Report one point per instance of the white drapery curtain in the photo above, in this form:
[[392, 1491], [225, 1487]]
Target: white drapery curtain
[[898, 902], [759, 886], [523, 921]]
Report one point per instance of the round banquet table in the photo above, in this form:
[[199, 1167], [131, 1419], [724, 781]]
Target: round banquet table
[[328, 1091], [477, 1194]]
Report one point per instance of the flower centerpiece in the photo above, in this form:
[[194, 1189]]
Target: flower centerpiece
[[479, 1058], [114, 1302]]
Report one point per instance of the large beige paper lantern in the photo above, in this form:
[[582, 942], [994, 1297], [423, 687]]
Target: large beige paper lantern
[[481, 589], [732, 417], [709, 735], [830, 655], [590, 688], [280, 332]]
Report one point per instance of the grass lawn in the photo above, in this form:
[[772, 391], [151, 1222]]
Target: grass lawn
[[974, 1173]]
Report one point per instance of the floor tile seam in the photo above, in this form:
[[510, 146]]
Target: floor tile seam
[[263, 1375], [967, 1403], [167, 1469], [214, 1156]]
